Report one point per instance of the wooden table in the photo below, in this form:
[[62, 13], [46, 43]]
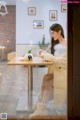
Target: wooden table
[[36, 61]]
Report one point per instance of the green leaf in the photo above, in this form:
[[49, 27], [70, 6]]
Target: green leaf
[[43, 44], [29, 51]]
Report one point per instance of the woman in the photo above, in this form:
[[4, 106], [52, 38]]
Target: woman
[[54, 84]]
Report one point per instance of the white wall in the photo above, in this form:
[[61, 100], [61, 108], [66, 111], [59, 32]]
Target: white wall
[[25, 33]]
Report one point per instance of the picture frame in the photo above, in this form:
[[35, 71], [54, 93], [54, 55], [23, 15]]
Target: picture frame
[[64, 8], [38, 24], [31, 10], [53, 15]]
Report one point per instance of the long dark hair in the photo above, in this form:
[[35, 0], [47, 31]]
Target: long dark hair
[[55, 27]]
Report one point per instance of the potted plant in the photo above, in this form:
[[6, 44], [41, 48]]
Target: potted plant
[[43, 45]]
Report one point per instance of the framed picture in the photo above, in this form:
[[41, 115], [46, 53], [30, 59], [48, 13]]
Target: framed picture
[[53, 15], [38, 24], [64, 8], [31, 11]]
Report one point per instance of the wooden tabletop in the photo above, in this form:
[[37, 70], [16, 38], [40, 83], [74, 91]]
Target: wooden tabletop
[[36, 61]]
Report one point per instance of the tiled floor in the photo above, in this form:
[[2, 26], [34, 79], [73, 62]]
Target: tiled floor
[[14, 83]]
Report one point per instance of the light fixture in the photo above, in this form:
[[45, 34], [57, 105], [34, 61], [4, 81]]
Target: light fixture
[[3, 4], [25, 1]]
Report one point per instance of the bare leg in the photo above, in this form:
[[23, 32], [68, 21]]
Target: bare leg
[[45, 96], [47, 88]]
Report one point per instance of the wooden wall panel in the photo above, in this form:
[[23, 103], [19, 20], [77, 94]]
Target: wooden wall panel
[[8, 30], [74, 61]]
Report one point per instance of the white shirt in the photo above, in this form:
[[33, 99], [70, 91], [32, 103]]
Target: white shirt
[[60, 50], [60, 56]]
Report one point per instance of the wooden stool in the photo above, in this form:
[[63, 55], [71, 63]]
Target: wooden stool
[[11, 55]]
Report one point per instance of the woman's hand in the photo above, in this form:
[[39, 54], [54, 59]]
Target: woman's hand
[[48, 57], [41, 52]]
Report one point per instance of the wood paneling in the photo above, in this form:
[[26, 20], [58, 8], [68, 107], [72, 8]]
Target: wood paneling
[[70, 61], [40, 118], [74, 61], [8, 29]]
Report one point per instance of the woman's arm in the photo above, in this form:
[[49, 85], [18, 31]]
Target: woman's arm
[[58, 61]]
